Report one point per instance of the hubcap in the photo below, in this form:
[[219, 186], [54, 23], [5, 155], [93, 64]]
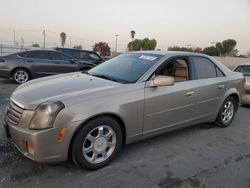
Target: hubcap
[[228, 112], [99, 144], [21, 76]]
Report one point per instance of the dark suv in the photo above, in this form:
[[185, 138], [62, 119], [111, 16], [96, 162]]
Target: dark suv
[[82, 55], [27, 65]]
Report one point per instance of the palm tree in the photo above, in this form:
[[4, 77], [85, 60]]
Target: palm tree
[[132, 33], [63, 38]]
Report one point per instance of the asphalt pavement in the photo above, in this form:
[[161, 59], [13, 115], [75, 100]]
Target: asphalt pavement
[[196, 157]]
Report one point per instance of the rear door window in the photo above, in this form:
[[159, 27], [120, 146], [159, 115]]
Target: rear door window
[[38, 55], [204, 68], [23, 54], [59, 56]]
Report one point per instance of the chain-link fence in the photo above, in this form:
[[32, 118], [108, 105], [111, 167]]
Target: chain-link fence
[[8, 49]]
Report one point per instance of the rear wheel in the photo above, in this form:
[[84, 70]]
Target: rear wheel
[[21, 76], [226, 113], [97, 143]]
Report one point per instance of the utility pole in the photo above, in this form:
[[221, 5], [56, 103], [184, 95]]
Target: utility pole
[[116, 36], [43, 38], [14, 37], [22, 43], [69, 42]]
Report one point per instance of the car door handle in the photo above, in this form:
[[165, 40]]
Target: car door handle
[[190, 93], [221, 86]]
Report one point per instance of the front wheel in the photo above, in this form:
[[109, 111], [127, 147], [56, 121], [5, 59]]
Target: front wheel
[[226, 113], [97, 143]]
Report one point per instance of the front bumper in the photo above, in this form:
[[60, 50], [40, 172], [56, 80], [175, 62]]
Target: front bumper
[[46, 147]]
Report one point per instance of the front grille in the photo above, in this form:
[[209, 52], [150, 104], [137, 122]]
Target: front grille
[[14, 113]]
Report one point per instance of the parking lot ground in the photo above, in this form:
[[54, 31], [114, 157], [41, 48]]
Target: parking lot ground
[[196, 157]]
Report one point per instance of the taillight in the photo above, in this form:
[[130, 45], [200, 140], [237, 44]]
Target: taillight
[[247, 92]]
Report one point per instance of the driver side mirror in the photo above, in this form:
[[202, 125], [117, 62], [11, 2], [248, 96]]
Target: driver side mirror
[[72, 61], [163, 81]]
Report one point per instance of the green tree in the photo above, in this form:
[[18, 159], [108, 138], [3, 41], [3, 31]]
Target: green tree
[[35, 45], [77, 47], [135, 45], [63, 37], [226, 46], [145, 44], [185, 49], [132, 33], [148, 44], [213, 51]]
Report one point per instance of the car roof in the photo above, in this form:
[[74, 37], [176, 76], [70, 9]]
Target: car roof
[[39, 49], [56, 48], [170, 53], [42, 49]]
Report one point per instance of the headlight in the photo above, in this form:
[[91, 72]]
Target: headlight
[[45, 115]]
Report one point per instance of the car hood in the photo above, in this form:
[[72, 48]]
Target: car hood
[[60, 87]]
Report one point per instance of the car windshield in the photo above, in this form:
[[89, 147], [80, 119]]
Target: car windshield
[[244, 69], [126, 68]]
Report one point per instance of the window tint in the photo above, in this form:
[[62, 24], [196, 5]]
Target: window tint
[[177, 68], [39, 55], [23, 54], [94, 56], [238, 69], [203, 68], [67, 51], [245, 69], [84, 55], [219, 72], [59, 56]]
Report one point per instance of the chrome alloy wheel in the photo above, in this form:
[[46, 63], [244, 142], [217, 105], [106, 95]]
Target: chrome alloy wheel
[[21, 76], [99, 144], [228, 112]]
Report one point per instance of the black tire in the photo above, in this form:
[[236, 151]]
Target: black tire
[[220, 121], [20, 75], [80, 140]]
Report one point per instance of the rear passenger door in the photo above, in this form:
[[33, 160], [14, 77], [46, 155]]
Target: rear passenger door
[[210, 86], [64, 63]]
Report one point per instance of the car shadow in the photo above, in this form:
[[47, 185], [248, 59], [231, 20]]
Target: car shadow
[[24, 168]]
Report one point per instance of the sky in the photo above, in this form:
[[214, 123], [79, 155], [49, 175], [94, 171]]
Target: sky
[[170, 22]]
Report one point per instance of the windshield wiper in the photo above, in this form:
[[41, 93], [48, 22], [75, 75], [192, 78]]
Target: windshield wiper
[[109, 78]]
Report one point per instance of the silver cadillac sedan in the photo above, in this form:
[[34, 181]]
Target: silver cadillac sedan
[[89, 116]]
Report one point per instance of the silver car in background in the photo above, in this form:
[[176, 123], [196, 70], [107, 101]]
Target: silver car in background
[[244, 68], [90, 116]]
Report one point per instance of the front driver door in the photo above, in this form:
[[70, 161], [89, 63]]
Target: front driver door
[[168, 107]]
